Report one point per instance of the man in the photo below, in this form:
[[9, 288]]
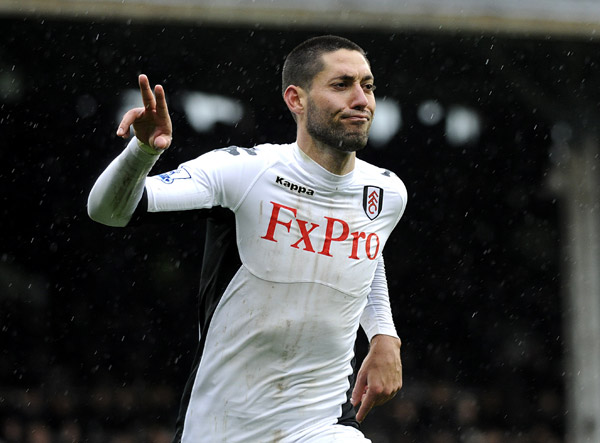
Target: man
[[293, 259]]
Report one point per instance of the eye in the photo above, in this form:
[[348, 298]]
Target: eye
[[369, 87]]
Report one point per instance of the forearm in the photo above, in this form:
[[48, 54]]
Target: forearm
[[118, 190], [380, 374], [377, 315]]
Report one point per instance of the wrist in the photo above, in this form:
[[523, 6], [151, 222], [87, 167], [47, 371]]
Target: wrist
[[147, 148], [386, 340]]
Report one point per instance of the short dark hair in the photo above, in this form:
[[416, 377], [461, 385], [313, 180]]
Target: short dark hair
[[305, 61]]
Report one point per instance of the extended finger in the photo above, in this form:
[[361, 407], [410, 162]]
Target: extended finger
[[146, 90], [128, 119], [359, 389], [161, 102], [365, 406]]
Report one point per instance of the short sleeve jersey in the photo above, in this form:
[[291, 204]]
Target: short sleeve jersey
[[276, 355]]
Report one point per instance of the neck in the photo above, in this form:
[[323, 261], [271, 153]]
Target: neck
[[333, 160]]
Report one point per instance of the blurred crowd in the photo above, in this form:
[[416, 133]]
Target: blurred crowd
[[60, 409], [429, 413]]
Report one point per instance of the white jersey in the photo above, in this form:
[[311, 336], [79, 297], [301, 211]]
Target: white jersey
[[276, 345]]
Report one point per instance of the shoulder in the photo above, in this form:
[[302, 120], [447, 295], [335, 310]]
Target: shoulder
[[263, 153], [236, 157], [275, 152], [392, 190], [265, 149], [384, 178]]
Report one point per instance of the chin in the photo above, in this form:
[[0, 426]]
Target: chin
[[352, 146]]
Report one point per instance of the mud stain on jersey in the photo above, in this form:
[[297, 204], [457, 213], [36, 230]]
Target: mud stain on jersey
[[278, 436]]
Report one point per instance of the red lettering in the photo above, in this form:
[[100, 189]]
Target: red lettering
[[329, 233], [357, 236], [305, 235], [372, 242], [275, 221], [368, 246]]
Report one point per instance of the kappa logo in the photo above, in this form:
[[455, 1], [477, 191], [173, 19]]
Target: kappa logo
[[178, 174], [293, 186], [372, 201]]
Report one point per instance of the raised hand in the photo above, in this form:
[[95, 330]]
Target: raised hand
[[152, 123]]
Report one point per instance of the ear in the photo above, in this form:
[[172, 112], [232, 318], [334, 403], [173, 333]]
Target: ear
[[295, 99]]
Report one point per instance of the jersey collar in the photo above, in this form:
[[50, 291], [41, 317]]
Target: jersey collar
[[319, 173]]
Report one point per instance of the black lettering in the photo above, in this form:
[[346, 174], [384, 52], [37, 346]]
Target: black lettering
[[293, 186]]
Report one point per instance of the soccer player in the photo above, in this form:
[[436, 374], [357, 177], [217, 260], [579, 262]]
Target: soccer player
[[293, 261]]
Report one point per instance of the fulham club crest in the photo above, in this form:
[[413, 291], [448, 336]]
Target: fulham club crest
[[372, 201]]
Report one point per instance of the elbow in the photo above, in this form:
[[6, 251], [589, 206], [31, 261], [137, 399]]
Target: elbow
[[108, 221], [107, 218]]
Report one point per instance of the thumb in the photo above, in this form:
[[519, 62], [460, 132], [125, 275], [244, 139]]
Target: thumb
[[162, 142]]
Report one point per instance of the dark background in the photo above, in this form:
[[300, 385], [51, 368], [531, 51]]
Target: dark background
[[98, 325]]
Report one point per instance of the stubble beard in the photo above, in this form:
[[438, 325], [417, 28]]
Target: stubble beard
[[333, 133]]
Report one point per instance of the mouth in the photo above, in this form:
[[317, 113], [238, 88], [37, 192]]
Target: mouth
[[359, 118]]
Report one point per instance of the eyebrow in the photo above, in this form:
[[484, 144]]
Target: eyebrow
[[346, 77]]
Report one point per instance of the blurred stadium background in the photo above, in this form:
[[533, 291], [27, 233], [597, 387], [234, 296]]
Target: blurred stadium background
[[487, 110]]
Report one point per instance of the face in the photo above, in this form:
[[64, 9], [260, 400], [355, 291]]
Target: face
[[341, 102]]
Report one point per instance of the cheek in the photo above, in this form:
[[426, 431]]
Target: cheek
[[329, 103], [330, 106], [372, 104], [329, 109]]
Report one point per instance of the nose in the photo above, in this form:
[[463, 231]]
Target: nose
[[359, 98]]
